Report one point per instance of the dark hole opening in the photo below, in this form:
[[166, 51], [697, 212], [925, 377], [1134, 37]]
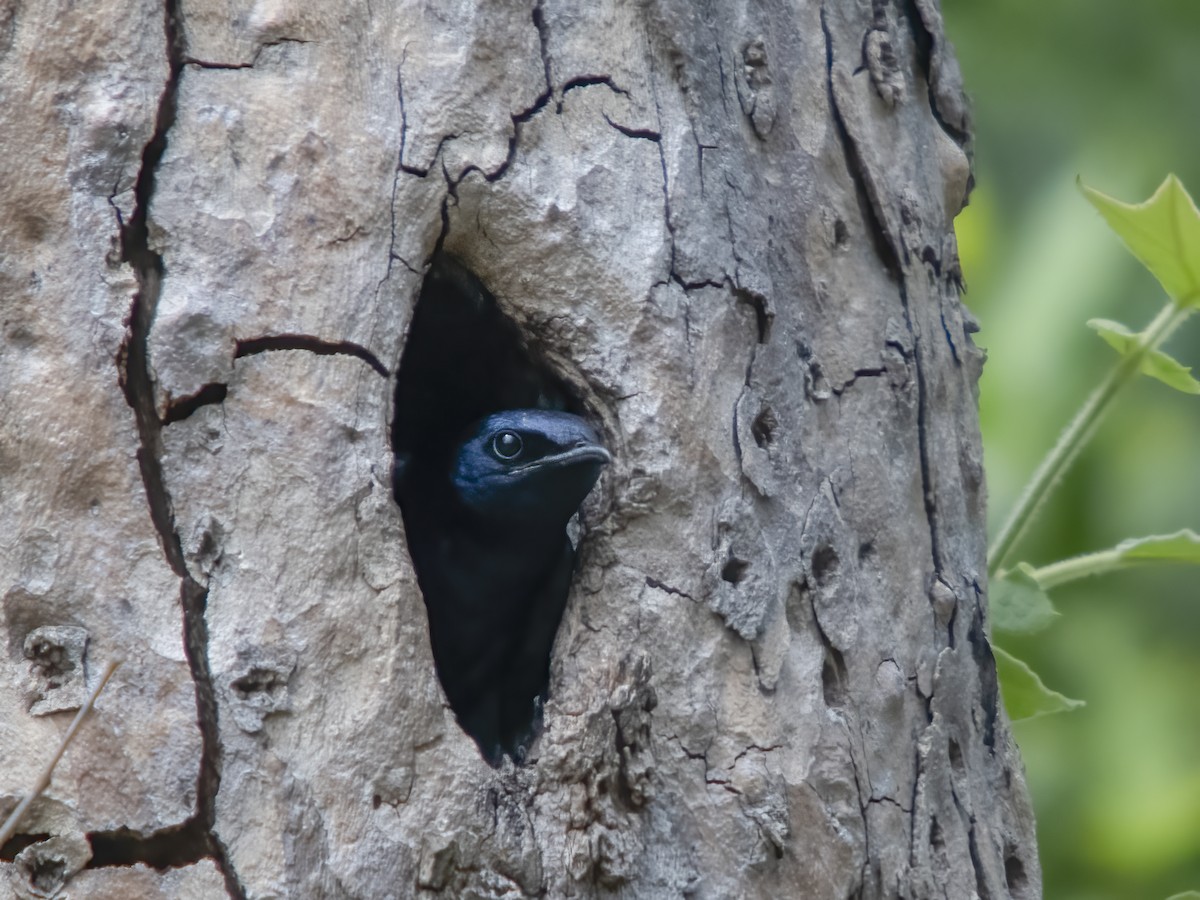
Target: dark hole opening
[[464, 358], [834, 677], [18, 842], [184, 407], [48, 875], [734, 570], [936, 839], [954, 752], [258, 681], [763, 427], [494, 588], [825, 564], [840, 232], [51, 660], [179, 845], [1014, 871]]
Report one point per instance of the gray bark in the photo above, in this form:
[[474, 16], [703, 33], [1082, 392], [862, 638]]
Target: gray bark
[[727, 226]]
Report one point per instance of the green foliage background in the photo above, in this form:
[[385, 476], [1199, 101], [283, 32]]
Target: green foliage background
[[1109, 90]]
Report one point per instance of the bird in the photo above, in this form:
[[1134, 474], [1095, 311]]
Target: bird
[[487, 533]]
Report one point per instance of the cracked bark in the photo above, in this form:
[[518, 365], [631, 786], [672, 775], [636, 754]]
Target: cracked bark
[[728, 229]]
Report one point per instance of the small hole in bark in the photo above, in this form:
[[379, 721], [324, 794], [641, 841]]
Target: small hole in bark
[[833, 677], [47, 876], [376, 801], [207, 544], [49, 660], [735, 570], [33, 227], [865, 550], [260, 681], [56, 655], [840, 233], [936, 840], [464, 360], [825, 564], [930, 258], [955, 753], [1014, 871], [763, 427]]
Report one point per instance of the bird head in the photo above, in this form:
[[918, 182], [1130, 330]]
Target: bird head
[[528, 465]]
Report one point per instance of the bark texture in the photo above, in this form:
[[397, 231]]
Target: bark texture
[[727, 226]]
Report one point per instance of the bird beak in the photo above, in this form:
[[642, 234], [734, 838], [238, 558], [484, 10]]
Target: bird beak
[[593, 453]]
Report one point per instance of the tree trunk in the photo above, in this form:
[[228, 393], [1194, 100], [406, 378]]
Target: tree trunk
[[726, 228]]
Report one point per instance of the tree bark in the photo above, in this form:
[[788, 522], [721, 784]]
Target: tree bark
[[726, 226]]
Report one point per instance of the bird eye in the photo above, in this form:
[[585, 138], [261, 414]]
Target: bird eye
[[507, 445]]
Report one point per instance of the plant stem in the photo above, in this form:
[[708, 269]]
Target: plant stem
[[1077, 434], [14, 819], [1099, 563], [1066, 570]]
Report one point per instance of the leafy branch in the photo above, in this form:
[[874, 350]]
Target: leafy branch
[[1164, 234]]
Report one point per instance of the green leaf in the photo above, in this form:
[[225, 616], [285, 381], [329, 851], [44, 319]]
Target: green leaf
[[1025, 696], [1155, 363], [1170, 372], [1115, 334], [1018, 603], [1180, 547], [1163, 232], [1186, 895]]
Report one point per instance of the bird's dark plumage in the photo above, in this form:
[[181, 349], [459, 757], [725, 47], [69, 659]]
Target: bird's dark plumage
[[487, 533]]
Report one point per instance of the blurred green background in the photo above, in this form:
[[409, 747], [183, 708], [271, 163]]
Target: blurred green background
[[1108, 90]]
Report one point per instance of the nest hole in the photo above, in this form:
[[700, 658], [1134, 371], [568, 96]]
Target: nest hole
[[463, 359]]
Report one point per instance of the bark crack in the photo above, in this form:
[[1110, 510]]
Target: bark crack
[[582, 81], [452, 182], [209, 394], [194, 839], [216, 392], [926, 40], [875, 372], [518, 119], [892, 801], [662, 586], [391, 256], [402, 166], [267, 343], [891, 257], [662, 159], [640, 133], [756, 747], [543, 30], [211, 64], [756, 301], [914, 801]]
